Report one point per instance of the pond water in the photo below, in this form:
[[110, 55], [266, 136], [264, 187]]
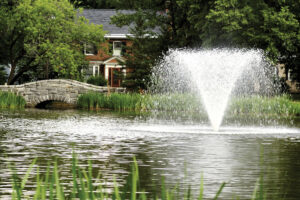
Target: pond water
[[180, 152]]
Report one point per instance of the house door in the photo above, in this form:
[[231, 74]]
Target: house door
[[113, 80]]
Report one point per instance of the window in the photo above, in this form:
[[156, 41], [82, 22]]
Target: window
[[90, 49], [95, 70], [117, 48]]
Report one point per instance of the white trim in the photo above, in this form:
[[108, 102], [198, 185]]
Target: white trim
[[117, 51], [94, 70], [95, 62], [125, 36], [118, 36], [114, 57]]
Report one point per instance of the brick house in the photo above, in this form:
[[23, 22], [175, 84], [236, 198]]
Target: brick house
[[108, 60]]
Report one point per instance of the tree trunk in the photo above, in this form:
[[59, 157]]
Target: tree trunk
[[11, 74]]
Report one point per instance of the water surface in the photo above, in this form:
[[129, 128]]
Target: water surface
[[162, 148]]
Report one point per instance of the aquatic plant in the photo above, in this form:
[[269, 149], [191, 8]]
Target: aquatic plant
[[184, 102], [11, 100], [277, 105], [84, 186]]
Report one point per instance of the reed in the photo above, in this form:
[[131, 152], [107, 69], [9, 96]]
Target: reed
[[188, 103], [86, 187], [138, 102], [277, 105], [11, 100]]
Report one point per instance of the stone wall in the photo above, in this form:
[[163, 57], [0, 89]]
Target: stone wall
[[56, 90]]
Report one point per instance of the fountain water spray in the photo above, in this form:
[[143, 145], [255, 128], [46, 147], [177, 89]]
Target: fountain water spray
[[213, 75]]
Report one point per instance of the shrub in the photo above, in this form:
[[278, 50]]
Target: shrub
[[97, 80]]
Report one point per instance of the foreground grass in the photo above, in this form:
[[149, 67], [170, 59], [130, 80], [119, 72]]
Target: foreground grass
[[84, 186], [277, 105], [12, 101]]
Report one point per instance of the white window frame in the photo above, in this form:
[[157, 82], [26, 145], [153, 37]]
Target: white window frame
[[96, 68], [118, 51]]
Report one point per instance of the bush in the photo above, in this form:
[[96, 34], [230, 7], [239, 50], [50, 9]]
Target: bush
[[97, 80]]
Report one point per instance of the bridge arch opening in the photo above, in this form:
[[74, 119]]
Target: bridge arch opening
[[55, 104]]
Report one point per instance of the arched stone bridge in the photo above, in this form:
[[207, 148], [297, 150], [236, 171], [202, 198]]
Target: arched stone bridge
[[55, 90]]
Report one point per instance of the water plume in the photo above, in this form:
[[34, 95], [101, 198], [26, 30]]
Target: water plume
[[213, 75]]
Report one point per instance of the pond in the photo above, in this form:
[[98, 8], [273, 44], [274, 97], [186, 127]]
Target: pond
[[179, 151]]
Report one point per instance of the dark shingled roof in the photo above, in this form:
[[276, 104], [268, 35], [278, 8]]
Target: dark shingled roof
[[102, 16]]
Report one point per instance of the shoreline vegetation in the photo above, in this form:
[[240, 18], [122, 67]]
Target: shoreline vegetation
[[249, 105], [83, 185], [283, 105], [11, 100]]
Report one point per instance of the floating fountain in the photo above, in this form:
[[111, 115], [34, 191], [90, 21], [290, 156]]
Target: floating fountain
[[214, 75]]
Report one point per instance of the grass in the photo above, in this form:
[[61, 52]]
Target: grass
[[85, 186], [188, 103], [278, 105], [137, 102], [11, 100]]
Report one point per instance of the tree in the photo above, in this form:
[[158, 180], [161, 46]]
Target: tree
[[269, 25], [2, 75], [39, 35], [144, 51], [158, 25]]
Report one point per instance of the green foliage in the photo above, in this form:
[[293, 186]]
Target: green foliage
[[97, 80], [154, 32], [269, 25], [145, 49], [115, 101], [273, 27], [85, 186], [10, 100], [44, 37], [281, 106]]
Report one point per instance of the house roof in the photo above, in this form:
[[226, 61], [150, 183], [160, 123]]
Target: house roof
[[102, 16]]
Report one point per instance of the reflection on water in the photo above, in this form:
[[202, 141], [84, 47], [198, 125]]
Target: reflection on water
[[162, 149]]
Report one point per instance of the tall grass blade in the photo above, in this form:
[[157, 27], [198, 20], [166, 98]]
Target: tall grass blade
[[38, 186], [135, 177], [201, 188], [17, 191], [45, 185], [59, 190], [25, 178], [219, 191], [254, 194], [116, 192], [90, 184], [51, 187], [75, 188]]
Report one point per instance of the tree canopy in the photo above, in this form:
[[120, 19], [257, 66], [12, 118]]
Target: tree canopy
[[43, 36], [269, 25]]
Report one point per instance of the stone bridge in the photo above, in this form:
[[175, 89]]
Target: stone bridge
[[55, 90]]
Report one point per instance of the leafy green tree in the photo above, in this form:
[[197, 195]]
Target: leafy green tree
[[269, 25], [39, 35], [158, 25], [144, 51]]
